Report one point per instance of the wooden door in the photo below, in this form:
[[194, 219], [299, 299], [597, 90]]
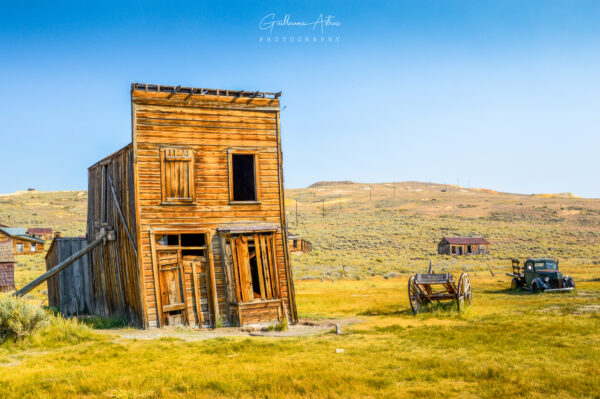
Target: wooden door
[[171, 288]]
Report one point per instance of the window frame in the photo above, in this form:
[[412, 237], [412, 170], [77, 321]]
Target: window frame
[[164, 200], [243, 151]]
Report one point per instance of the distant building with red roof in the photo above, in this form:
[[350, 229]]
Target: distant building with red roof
[[45, 233], [463, 246]]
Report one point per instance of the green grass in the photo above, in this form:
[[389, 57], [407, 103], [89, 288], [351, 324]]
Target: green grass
[[508, 344]]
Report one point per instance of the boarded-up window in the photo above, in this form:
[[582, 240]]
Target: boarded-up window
[[254, 267], [243, 176], [177, 175]]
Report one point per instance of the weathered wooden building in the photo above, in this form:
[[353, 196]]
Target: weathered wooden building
[[7, 267], [22, 243], [298, 244], [43, 233], [196, 208], [463, 246], [70, 290]]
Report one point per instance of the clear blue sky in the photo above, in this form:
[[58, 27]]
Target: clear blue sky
[[498, 94]]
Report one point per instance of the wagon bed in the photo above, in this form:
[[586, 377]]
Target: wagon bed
[[427, 287]]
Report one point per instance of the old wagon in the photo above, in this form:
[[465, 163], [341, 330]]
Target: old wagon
[[424, 288]]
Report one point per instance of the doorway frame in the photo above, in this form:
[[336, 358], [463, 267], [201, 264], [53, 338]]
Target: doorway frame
[[213, 299]]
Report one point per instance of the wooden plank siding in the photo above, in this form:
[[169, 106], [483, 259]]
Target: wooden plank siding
[[70, 291], [116, 279], [173, 182], [210, 126], [25, 245]]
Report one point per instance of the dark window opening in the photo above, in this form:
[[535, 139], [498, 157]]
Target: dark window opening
[[468, 249], [453, 249], [192, 240], [192, 252], [169, 239], [243, 177], [255, 277]]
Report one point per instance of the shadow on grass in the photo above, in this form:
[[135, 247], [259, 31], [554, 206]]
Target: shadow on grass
[[446, 308], [509, 291], [103, 323], [389, 310]]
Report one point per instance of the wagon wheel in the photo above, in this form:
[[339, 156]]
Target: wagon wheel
[[413, 295], [463, 296]]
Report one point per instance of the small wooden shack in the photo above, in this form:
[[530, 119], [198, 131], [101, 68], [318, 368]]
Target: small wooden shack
[[463, 246], [195, 205], [43, 233], [69, 290], [22, 243], [298, 244], [7, 267]]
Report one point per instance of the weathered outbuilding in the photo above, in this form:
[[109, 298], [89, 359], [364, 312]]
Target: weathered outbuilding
[[7, 267], [22, 243], [43, 233], [196, 208], [463, 246], [298, 244]]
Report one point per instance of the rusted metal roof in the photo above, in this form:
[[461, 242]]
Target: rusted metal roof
[[466, 240], [6, 252]]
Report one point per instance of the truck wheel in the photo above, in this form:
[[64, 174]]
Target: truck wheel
[[569, 282], [534, 288], [514, 284]]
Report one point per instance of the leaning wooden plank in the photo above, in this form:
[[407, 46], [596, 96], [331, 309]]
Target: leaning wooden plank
[[121, 217], [259, 267], [186, 312], [197, 295], [67, 262], [232, 246], [266, 265], [274, 265], [213, 286], [159, 313]]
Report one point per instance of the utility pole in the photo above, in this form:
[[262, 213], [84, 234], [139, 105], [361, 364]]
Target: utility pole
[[394, 189], [296, 213], [370, 191]]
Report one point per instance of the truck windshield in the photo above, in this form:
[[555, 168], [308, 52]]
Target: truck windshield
[[546, 265]]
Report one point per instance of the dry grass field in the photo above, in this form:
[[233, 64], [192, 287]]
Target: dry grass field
[[508, 344]]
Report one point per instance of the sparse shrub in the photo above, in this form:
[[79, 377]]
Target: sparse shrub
[[19, 318], [283, 326]]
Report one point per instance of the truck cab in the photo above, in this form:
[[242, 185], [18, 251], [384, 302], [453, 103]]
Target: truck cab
[[540, 274]]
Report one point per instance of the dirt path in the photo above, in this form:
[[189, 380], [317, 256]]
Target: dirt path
[[305, 327]]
